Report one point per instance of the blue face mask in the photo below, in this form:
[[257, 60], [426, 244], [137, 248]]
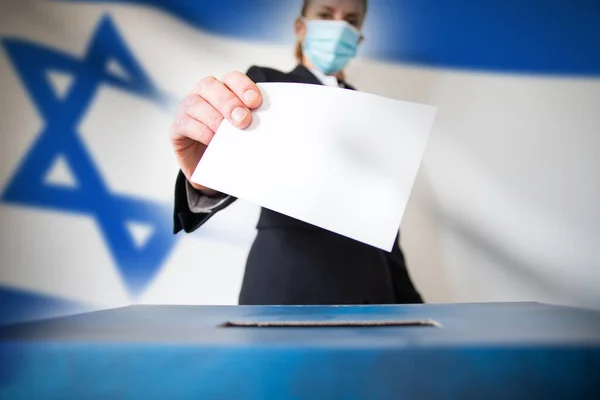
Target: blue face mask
[[330, 45]]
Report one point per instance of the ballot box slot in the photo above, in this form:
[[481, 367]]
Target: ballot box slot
[[330, 324]]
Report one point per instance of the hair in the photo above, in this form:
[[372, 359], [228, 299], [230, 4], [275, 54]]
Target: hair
[[298, 52]]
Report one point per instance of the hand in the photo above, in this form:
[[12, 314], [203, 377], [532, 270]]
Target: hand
[[201, 112]]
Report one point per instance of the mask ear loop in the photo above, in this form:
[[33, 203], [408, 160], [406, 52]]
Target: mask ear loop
[[304, 20]]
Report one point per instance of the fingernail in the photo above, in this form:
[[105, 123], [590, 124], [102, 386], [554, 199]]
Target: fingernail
[[239, 114], [250, 95]]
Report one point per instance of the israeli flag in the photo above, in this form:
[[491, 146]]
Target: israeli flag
[[506, 204]]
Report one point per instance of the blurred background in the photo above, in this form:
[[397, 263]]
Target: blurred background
[[506, 206]]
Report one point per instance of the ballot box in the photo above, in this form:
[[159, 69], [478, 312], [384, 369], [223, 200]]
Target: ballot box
[[458, 351]]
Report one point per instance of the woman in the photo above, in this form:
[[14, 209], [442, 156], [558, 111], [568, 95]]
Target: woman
[[291, 262]]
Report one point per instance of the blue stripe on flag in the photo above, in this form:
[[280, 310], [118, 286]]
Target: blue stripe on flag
[[524, 36], [20, 306]]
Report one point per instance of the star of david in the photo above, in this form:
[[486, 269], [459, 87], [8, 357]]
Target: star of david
[[59, 139]]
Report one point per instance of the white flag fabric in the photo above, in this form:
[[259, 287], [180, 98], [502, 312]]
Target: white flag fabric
[[504, 206]]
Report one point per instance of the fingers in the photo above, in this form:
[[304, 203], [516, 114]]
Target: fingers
[[210, 101], [244, 88], [196, 119], [193, 129], [202, 111], [225, 101]]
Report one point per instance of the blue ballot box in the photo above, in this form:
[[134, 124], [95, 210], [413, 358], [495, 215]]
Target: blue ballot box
[[464, 351]]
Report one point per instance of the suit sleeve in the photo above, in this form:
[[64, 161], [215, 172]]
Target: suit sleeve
[[404, 290], [257, 74], [185, 215]]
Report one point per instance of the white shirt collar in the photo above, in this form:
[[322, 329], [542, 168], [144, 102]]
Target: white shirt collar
[[327, 80]]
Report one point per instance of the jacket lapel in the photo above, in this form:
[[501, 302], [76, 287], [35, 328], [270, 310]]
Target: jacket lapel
[[301, 74], [346, 86]]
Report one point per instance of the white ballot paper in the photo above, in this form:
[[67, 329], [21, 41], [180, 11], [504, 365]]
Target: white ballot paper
[[338, 159]]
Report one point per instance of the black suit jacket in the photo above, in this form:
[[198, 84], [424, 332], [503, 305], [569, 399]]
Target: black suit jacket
[[292, 262]]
